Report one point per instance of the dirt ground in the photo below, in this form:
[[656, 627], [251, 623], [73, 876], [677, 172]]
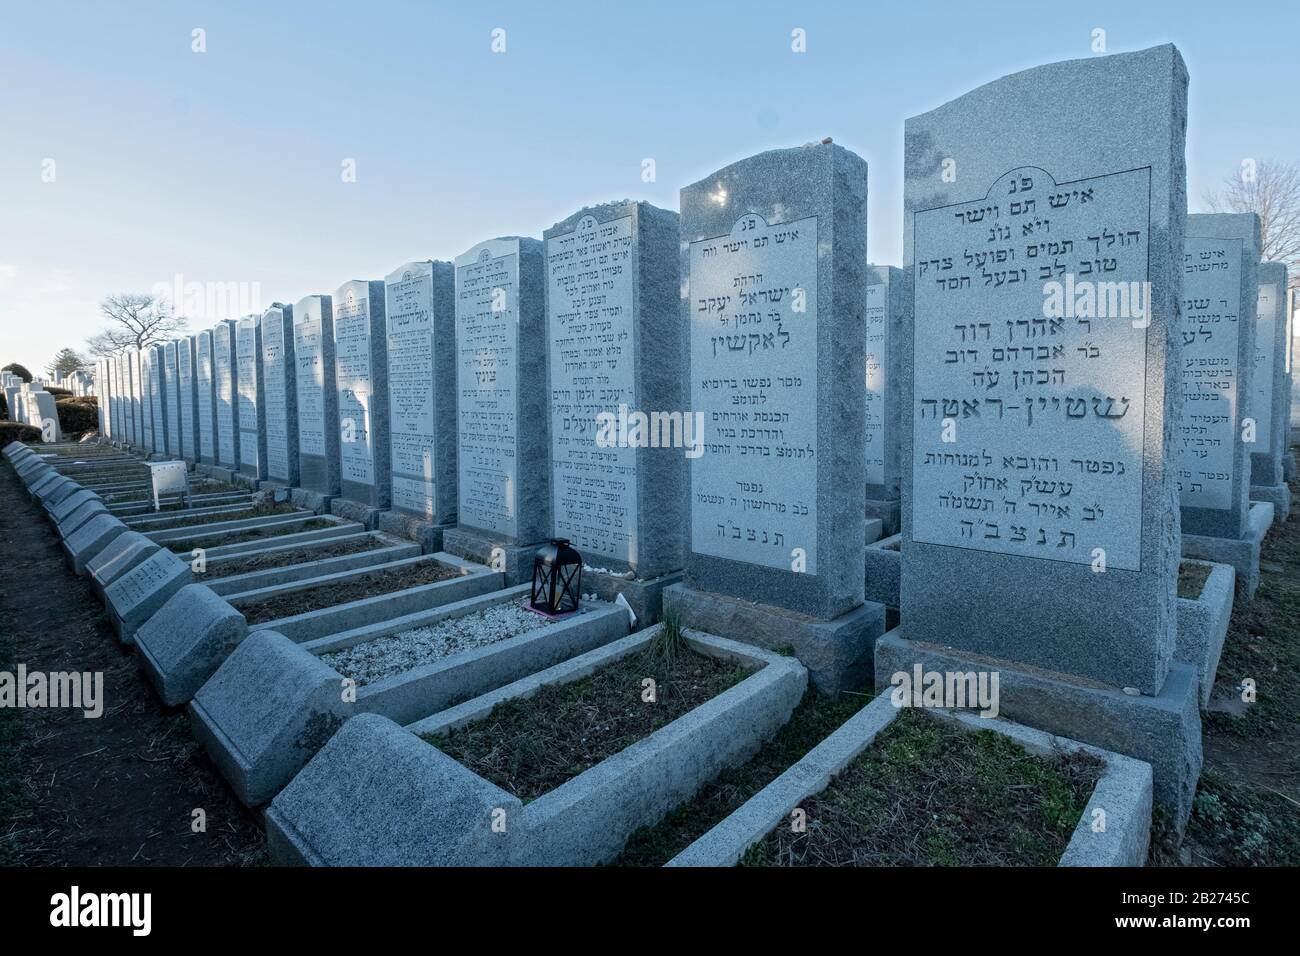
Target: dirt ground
[[117, 790]]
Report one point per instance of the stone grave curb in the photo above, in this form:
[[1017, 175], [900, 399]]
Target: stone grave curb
[[78, 519], [260, 760], [164, 535], [259, 592], [836, 652], [1203, 625], [1164, 731], [1279, 496], [884, 570], [1242, 554], [379, 607], [423, 532], [83, 545], [147, 522], [288, 700], [585, 819], [259, 580], [240, 548], [117, 558], [184, 643], [1123, 792], [375, 747], [644, 596], [129, 608]]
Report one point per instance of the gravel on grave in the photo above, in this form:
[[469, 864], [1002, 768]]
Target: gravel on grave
[[397, 653]]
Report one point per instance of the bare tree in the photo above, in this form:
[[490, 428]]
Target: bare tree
[[135, 321], [1270, 189]]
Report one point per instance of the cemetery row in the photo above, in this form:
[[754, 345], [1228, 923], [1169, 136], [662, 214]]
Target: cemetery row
[[1038, 460]]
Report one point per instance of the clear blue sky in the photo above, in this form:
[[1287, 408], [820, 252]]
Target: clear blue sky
[[225, 166]]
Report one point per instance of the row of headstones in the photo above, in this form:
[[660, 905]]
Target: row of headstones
[[1060, 333], [30, 404]]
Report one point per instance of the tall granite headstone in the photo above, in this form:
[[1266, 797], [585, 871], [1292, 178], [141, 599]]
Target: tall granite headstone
[[420, 317], [158, 398], [361, 379], [1220, 287], [252, 406], [145, 399], [280, 395], [225, 382], [318, 437], [1269, 393], [503, 486], [187, 398], [884, 482], [774, 269], [615, 338], [205, 398], [1041, 384], [172, 398]]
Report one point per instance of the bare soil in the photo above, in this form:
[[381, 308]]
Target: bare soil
[[292, 556], [113, 791], [249, 534], [341, 592]]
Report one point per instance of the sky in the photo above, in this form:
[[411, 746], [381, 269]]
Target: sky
[[130, 161]]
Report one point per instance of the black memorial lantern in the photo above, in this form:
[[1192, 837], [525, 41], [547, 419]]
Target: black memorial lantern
[[557, 578]]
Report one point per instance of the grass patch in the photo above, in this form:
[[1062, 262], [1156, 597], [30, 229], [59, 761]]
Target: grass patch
[[1234, 824], [245, 535], [927, 793], [1191, 580], [816, 717], [291, 556], [1263, 644], [341, 592], [530, 746]]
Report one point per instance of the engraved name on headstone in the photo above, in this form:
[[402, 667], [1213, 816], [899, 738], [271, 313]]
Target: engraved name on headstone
[[1047, 396], [279, 395], [419, 311], [1207, 431], [205, 384], [318, 437], [251, 415]]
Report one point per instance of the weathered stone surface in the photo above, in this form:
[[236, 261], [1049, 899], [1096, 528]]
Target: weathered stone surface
[[225, 384], [318, 438], [1203, 626], [420, 319], [361, 378], [205, 398], [1270, 392], [118, 557], [183, 644], [135, 596], [502, 408], [84, 544], [884, 312], [171, 398], [1220, 282], [280, 394], [266, 710], [774, 268], [343, 809], [615, 341], [251, 397], [1102, 432], [187, 398]]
